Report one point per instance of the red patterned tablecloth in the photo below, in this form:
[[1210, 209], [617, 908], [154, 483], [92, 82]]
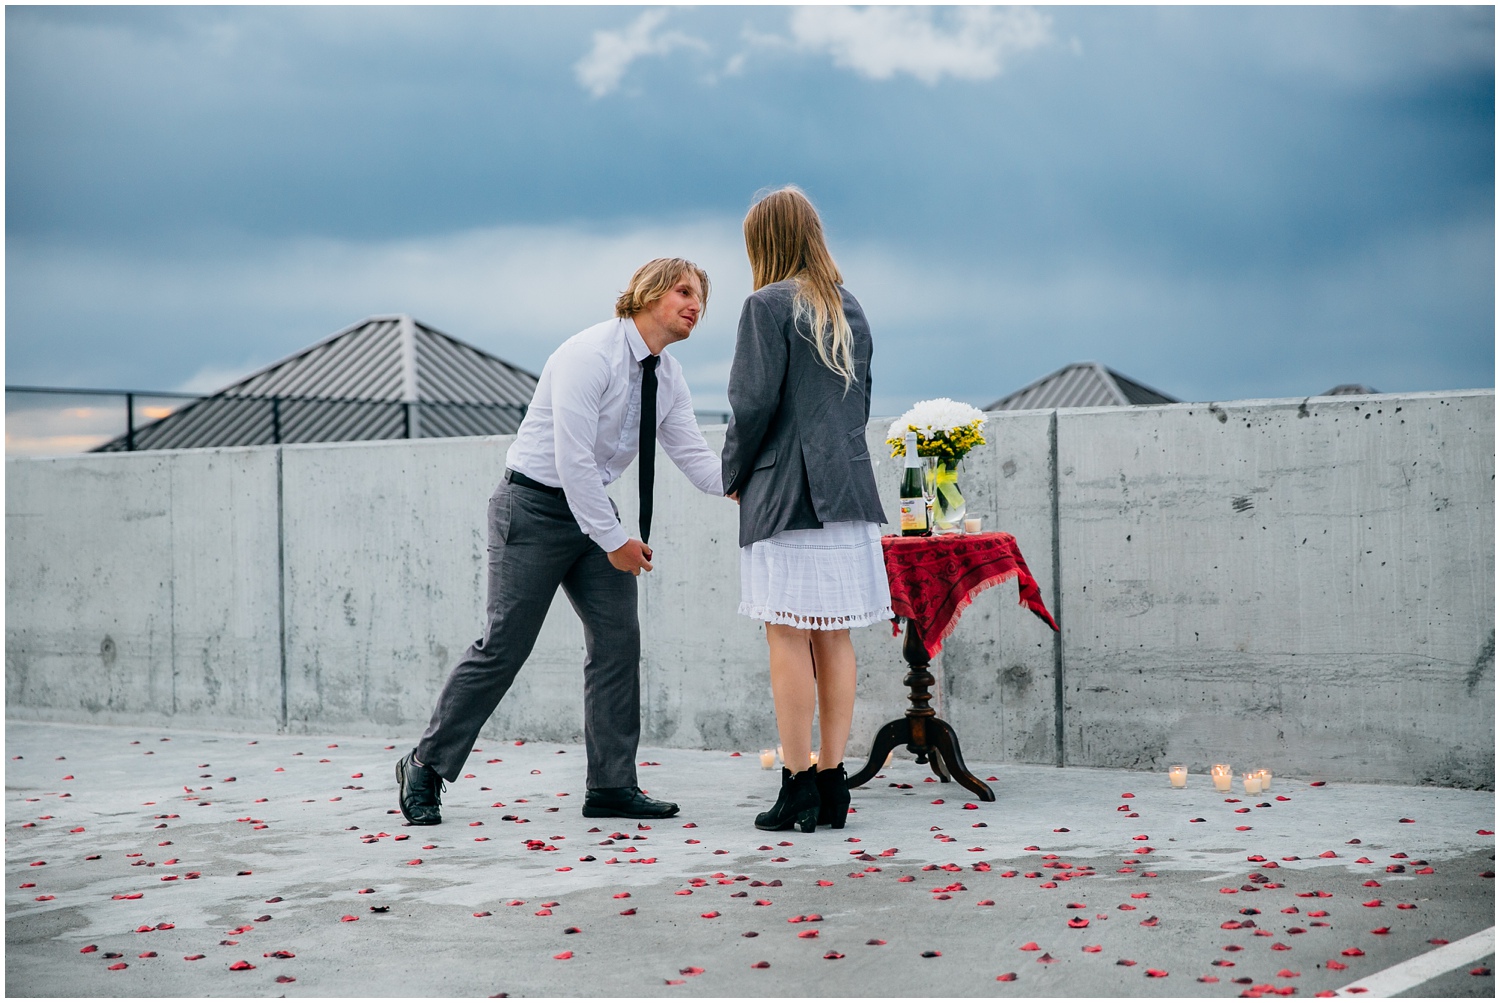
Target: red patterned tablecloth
[[935, 578]]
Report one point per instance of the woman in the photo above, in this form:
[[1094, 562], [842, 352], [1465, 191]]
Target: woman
[[796, 460]]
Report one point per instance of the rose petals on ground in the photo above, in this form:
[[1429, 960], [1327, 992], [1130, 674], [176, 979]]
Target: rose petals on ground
[[1006, 977], [241, 966], [564, 956], [761, 964]]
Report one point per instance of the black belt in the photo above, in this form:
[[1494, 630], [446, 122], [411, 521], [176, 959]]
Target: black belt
[[516, 477]]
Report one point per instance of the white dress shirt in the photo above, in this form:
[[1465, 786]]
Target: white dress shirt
[[584, 425]]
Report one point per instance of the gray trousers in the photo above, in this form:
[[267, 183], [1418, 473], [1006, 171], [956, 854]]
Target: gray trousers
[[535, 546]]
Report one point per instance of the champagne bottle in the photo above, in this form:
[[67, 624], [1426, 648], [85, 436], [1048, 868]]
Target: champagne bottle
[[913, 504]]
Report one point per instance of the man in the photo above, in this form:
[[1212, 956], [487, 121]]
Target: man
[[551, 524]]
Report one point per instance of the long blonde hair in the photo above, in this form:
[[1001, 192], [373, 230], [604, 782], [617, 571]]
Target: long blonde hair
[[784, 239]]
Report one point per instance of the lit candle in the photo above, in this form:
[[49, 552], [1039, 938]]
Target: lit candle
[[890, 756], [1178, 776], [1265, 780], [814, 757], [972, 523], [1251, 782], [1223, 776], [768, 759]]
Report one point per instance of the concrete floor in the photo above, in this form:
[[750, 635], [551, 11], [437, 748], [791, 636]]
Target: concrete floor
[[157, 847]]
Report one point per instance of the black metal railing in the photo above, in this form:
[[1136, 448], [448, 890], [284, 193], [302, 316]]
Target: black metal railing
[[155, 419]]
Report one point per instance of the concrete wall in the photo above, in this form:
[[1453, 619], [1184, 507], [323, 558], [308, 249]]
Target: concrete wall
[[1307, 584]]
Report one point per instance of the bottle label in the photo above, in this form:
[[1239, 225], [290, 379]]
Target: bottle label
[[913, 514]]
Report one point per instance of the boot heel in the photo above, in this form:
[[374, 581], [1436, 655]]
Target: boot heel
[[807, 819], [838, 822]]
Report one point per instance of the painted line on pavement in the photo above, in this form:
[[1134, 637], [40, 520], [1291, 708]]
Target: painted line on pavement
[[1413, 972]]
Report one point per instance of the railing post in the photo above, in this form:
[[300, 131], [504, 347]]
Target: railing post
[[130, 422], [276, 420], [406, 419]]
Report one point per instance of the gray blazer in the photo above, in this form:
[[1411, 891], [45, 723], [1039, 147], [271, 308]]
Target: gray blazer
[[795, 449]]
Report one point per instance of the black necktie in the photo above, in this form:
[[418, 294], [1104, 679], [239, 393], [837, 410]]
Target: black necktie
[[648, 440]]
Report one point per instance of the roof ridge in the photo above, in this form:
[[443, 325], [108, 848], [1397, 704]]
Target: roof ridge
[[1108, 377]]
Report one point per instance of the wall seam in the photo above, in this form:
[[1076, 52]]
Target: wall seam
[[281, 582], [1057, 611]]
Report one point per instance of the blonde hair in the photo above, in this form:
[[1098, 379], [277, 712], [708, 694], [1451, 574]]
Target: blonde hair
[[784, 239], [651, 282]]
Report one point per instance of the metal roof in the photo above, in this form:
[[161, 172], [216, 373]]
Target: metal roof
[[386, 377], [1081, 384]]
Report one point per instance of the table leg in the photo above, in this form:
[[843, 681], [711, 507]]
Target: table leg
[[945, 748], [895, 733], [925, 735]]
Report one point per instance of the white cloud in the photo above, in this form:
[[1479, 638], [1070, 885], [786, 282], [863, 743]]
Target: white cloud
[[604, 67], [880, 42]]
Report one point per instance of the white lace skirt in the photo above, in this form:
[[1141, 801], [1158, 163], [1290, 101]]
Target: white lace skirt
[[831, 578]]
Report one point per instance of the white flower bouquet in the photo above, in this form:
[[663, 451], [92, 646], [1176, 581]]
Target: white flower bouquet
[[945, 428]]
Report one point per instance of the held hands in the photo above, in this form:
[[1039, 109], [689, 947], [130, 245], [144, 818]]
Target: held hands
[[633, 557], [735, 497]]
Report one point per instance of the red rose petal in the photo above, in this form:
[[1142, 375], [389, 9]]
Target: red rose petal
[[241, 966], [1006, 977], [564, 956]]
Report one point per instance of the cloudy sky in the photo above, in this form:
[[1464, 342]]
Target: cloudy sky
[[1221, 203]]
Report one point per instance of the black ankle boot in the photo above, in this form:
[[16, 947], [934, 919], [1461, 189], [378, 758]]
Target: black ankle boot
[[833, 795], [796, 805]]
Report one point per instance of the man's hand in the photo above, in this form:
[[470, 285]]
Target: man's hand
[[735, 497], [633, 557]]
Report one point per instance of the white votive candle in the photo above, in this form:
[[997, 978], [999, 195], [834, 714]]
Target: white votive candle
[[1251, 782], [1265, 780], [768, 759], [972, 523], [1223, 776], [1178, 776]]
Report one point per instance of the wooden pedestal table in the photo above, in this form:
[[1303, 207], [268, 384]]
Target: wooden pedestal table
[[933, 580]]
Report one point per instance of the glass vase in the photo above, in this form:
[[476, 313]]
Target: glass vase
[[948, 505]]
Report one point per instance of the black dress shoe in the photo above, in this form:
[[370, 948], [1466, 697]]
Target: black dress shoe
[[624, 802], [420, 790]]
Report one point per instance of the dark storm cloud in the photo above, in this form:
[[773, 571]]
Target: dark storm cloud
[[1220, 201]]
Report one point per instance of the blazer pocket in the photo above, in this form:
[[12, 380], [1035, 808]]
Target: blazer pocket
[[764, 460]]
